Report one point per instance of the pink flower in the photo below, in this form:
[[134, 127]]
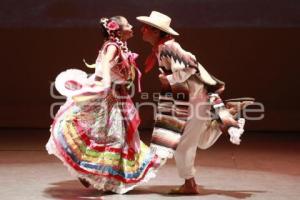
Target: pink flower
[[112, 25]]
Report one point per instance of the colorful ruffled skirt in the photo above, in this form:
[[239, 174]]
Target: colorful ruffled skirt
[[97, 139]]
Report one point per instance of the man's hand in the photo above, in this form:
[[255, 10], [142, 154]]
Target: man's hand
[[165, 85], [220, 89]]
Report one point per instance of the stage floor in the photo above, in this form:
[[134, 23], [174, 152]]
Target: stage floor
[[266, 166]]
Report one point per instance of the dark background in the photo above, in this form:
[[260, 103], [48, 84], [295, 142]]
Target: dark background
[[252, 45]]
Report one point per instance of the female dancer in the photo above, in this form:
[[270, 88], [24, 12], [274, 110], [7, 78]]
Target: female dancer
[[95, 132]]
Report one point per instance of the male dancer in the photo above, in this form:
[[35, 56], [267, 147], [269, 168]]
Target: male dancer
[[189, 92]]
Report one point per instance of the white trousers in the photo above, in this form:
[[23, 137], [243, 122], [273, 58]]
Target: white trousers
[[200, 132]]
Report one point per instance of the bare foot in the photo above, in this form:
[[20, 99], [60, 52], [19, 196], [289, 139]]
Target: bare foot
[[228, 122], [227, 119], [188, 188], [236, 107]]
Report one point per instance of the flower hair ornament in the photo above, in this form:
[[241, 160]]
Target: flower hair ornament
[[111, 26], [113, 30]]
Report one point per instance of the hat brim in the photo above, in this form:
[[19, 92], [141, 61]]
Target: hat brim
[[147, 20]]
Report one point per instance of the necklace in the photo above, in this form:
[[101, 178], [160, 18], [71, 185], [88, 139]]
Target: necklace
[[121, 44]]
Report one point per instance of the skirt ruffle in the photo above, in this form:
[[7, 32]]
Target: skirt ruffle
[[95, 135]]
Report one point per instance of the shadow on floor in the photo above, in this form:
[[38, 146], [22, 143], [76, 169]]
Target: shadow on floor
[[165, 189], [74, 190], [71, 190]]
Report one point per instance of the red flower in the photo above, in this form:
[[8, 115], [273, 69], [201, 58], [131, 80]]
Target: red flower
[[112, 25]]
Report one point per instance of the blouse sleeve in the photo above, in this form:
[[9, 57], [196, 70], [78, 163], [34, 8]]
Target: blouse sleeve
[[106, 59]]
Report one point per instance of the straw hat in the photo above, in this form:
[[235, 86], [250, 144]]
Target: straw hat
[[159, 21]]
